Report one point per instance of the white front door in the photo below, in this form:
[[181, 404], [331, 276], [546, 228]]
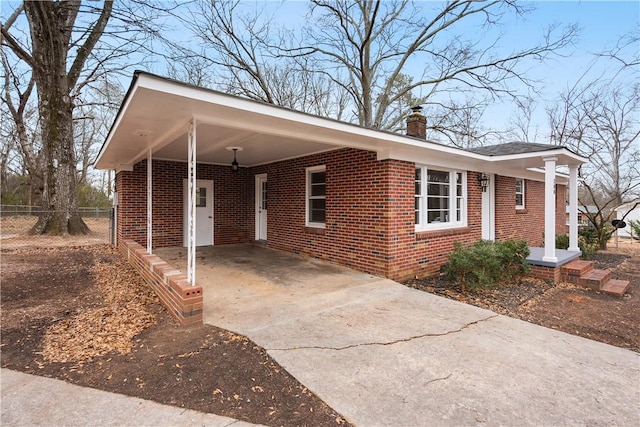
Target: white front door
[[204, 212], [261, 206], [489, 210]]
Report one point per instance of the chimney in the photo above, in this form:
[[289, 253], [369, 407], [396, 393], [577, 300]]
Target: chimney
[[417, 123]]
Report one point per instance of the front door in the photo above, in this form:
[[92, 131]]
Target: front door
[[489, 210], [261, 206], [204, 212]]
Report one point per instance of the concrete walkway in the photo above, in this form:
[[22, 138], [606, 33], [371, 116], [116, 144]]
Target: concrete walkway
[[29, 400], [383, 354]]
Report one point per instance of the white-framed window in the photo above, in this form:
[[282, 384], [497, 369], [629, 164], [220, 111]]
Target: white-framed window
[[440, 198], [316, 206], [519, 193]]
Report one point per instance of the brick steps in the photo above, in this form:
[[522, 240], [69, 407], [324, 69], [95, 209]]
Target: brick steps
[[615, 287], [582, 273]]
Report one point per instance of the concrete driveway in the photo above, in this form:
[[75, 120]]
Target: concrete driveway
[[384, 354]]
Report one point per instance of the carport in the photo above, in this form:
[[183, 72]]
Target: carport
[[381, 353]]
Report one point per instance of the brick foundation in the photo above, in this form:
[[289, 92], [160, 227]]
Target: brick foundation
[[548, 274], [183, 301]]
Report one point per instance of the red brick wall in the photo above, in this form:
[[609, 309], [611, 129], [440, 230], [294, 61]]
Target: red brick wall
[[528, 223], [370, 223], [230, 204], [356, 226], [422, 254], [561, 210], [370, 204], [183, 301]]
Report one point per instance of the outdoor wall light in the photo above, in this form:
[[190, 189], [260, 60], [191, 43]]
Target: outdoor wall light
[[483, 179], [234, 165]]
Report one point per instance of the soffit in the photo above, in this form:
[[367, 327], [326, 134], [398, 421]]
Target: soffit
[[157, 113]]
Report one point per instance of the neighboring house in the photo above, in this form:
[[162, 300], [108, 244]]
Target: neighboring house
[[632, 212], [583, 215], [379, 202]]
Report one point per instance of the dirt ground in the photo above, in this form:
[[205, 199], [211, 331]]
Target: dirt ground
[[566, 307], [81, 314]]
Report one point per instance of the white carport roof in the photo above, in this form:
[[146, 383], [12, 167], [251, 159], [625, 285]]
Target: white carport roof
[[156, 113]]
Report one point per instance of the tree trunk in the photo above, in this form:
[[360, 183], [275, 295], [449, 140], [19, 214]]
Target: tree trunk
[[50, 49]]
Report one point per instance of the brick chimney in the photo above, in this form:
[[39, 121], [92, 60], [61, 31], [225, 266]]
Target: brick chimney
[[417, 123]]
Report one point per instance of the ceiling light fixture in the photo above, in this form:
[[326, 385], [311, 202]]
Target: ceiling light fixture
[[235, 167]]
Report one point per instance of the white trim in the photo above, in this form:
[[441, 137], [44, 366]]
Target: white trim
[[307, 196], [227, 110], [550, 210], [124, 168], [191, 205], [489, 209], [149, 203], [257, 208], [522, 191], [453, 196], [116, 123], [573, 209]]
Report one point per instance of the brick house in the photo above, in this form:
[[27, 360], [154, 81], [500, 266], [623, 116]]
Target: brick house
[[198, 167]]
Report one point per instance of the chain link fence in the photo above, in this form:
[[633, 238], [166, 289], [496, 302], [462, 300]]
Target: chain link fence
[[17, 220]]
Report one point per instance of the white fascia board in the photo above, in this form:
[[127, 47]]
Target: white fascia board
[[341, 133], [560, 152], [116, 124], [323, 130], [124, 168]]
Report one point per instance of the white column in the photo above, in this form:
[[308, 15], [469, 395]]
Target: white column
[[191, 204], [149, 204], [550, 209], [573, 209]]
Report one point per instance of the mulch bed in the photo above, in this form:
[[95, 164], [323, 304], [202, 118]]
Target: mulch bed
[[563, 306], [84, 316], [504, 299]]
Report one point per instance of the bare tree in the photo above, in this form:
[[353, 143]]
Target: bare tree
[[233, 48], [363, 46], [602, 122], [66, 53], [521, 127], [24, 141], [460, 123]]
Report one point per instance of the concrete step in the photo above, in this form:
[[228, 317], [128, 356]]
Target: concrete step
[[577, 268], [615, 287], [594, 279]]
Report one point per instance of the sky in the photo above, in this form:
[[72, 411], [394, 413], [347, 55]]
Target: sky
[[601, 23]]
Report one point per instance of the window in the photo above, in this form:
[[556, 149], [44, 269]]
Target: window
[[519, 193], [440, 199], [316, 196], [201, 197]]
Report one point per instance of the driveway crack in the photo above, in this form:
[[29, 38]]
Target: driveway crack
[[411, 338]]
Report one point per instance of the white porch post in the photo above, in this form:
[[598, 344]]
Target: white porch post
[[149, 204], [573, 209], [550, 209], [191, 204]]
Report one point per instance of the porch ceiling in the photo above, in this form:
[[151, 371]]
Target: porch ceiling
[[157, 112]]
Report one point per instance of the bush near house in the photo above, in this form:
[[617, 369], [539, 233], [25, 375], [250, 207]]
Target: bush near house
[[588, 242], [487, 263]]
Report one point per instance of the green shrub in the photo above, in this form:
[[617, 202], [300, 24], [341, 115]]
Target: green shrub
[[588, 245], [486, 263], [635, 228], [589, 235], [562, 241]]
